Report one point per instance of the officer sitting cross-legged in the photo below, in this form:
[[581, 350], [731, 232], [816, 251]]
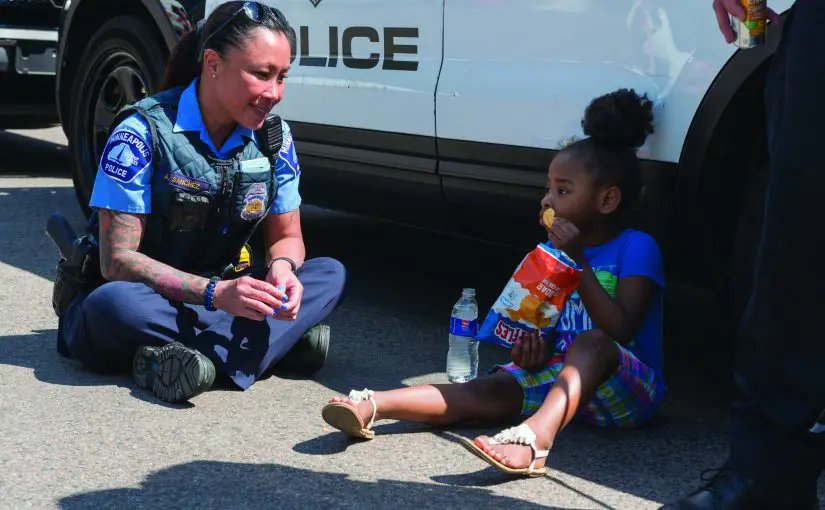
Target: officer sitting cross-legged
[[185, 178]]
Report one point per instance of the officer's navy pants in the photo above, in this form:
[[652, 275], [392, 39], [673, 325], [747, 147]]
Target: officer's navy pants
[[780, 364], [104, 328]]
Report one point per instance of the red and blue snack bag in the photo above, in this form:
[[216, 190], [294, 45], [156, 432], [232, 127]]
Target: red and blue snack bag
[[534, 297]]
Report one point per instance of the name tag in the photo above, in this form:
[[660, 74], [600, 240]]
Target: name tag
[[252, 166]]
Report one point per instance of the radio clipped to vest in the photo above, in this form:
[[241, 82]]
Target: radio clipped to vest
[[253, 204]]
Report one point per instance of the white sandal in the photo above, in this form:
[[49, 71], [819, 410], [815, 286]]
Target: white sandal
[[522, 434], [345, 417]]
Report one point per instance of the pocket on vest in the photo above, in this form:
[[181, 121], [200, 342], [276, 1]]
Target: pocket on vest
[[187, 211]]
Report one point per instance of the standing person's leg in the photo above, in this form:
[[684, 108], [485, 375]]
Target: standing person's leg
[[774, 460]]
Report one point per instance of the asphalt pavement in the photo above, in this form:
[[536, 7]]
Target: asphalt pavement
[[72, 439]]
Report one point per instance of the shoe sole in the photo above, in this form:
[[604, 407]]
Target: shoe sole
[[181, 374], [345, 418]]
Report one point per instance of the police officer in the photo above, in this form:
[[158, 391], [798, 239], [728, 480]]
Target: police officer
[[777, 454], [185, 178]]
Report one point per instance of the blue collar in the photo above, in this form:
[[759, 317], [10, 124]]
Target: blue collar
[[189, 119]]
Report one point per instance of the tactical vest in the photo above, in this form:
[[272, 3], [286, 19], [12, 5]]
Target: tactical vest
[[203, 208]]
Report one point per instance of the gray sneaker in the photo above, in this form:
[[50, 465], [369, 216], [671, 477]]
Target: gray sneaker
[[309, 354], [174, 372]]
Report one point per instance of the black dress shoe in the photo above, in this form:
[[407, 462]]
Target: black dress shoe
[[728, 490]]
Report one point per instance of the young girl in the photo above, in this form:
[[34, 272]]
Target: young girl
[[605, 362]]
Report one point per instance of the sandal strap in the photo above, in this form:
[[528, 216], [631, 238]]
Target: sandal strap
[[524, 435], [365, 394]]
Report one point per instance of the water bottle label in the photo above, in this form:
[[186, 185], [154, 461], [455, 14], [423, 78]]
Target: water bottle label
[[462, 327]]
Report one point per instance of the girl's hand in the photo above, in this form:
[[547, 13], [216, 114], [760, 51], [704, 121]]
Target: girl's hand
[[566, 237], [247, 297], [530, 352]]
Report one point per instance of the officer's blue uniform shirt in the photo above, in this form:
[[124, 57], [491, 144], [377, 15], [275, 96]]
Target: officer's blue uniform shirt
[[126, 186]]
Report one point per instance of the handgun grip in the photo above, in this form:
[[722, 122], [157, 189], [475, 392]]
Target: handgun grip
[[63, 236]]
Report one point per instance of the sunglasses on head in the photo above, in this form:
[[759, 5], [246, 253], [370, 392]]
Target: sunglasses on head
[[252, 10]]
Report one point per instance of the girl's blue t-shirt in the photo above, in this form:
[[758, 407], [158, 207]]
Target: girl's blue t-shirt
[[631, 253]]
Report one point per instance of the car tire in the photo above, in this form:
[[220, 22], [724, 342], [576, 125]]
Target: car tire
[[121, 64]]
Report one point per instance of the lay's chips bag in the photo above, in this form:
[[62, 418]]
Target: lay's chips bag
[[534, 297]]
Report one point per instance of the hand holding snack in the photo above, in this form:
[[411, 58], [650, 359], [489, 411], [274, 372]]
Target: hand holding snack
[[533, 298], [530, 352], [548, 217], [566, 237]]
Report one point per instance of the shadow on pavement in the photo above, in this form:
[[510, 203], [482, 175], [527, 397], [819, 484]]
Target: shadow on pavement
[[23, 216], [37, 351], [649, 462], [28, 156], [205, 484]]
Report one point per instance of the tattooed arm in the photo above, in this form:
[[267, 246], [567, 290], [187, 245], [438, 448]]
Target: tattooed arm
[[120, 236]]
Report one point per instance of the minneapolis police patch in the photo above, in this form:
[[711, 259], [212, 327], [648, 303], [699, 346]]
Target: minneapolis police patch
[[288, 154], [125, 156]]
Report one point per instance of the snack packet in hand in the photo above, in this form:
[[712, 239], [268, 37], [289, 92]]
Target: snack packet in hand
[[534, 297]]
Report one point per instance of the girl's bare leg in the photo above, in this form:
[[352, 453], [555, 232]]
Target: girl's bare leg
[[492, 398], [591, 360]]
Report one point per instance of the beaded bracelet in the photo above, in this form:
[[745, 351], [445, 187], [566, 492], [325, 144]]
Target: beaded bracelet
[[210, 293]]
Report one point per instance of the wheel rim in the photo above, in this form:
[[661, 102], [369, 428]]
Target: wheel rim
[[119, 81]]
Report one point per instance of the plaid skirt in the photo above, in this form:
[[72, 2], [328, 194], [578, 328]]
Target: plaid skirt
[[629, 398]]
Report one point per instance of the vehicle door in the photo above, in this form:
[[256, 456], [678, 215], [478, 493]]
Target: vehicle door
[[515, 81]]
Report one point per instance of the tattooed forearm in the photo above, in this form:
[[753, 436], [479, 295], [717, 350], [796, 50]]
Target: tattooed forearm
[[120, 236]]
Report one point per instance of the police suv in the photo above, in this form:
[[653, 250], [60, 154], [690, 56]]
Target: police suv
[[446, 113], [28, 50]]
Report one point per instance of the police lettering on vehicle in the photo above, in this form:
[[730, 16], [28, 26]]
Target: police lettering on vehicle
[[341, 43], [125, 156]]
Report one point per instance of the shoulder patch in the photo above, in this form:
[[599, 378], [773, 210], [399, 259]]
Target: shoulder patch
[[125, 156], [288, 153]]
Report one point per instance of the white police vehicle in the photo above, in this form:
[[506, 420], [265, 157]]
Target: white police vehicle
[[446, 113]]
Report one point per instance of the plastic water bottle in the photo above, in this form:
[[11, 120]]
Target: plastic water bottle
[[462, 356]]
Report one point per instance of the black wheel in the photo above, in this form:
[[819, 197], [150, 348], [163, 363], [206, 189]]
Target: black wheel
[[122, 64]]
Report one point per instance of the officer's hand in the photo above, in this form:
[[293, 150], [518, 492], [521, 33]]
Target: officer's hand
[[726, 8], [248, 297], [291, 285]]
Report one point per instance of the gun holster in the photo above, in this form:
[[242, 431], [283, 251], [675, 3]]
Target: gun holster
[[78, 276]]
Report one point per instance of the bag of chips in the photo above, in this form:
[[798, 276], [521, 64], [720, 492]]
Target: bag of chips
[[534, 297]]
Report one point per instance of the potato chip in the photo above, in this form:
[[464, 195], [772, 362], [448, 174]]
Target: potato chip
[[549, 217]]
